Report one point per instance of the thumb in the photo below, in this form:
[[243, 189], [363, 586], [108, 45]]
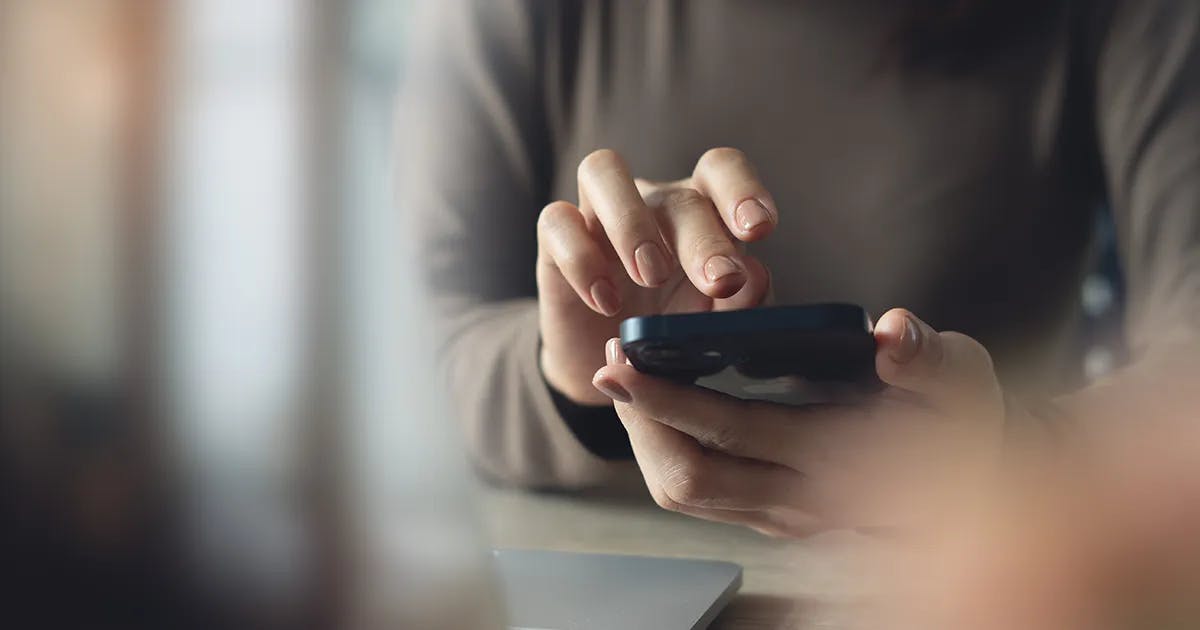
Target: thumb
[[948, 367]]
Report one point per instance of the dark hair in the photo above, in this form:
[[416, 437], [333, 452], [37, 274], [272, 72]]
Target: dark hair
[[962, 35]]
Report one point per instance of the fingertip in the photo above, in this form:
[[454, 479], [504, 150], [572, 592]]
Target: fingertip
[[621, 372], [724, 276], [605, 298], [557, 211], [654, 266], [753, 290], [613, 381], [900, 340], [614, 354], [749, 230], [609, 387], [755, 235], [600, 373], [645, 389], [890, 328]]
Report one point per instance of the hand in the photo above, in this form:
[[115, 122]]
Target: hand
[[891, 460], [1099, 535], [633, 247]]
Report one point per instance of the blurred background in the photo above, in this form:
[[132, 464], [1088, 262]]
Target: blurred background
[[214, 407], [211, 413]]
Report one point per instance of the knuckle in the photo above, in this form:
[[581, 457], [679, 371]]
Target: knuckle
[[633, 223], [569, 259], [708, 244], [652, 188], [724, 438], [554, 215], [720, 157], [686, 483], [684, 199], [690, 490], [601, 161]]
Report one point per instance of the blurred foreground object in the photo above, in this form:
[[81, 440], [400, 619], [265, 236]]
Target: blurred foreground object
[[210, 415], [1102, 536]]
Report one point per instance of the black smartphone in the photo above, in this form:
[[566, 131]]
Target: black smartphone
[[814, 342]]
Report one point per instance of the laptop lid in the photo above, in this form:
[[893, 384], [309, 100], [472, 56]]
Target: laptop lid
[[556, 590]]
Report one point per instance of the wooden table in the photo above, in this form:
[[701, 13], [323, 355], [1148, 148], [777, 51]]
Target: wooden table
[[786, 584]]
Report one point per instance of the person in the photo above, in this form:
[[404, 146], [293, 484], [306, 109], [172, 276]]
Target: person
[[566, 165]]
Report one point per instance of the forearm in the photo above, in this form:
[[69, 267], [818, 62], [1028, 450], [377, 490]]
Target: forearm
[[509, 421]]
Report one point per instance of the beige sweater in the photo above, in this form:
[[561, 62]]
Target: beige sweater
[[968, 199]]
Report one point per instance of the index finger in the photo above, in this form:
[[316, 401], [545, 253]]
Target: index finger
[[607, 192], [728, 177]]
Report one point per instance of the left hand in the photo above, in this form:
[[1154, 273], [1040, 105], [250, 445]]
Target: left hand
[[926, 441]]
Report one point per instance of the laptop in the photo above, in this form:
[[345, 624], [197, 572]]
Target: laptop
[[556, 590]]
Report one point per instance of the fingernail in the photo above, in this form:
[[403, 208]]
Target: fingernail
[[718, 267], [909, 342], [604, 294], [616, 355], [652, 264], [750, 214], [609, 388]]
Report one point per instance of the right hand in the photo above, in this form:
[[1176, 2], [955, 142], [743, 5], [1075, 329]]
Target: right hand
[[634, 247]]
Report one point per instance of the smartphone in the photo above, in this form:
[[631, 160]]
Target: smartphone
[[761, 352]]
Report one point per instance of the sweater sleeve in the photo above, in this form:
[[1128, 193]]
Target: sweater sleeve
[[475, 160], [1148, 89], [1146, 82]]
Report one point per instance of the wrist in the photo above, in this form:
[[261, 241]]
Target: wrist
[[572, 383], [594, 424]]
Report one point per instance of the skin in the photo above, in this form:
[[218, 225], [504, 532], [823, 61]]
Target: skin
[[689, 234], [634, 247], [897, 458], [1101, 538]]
